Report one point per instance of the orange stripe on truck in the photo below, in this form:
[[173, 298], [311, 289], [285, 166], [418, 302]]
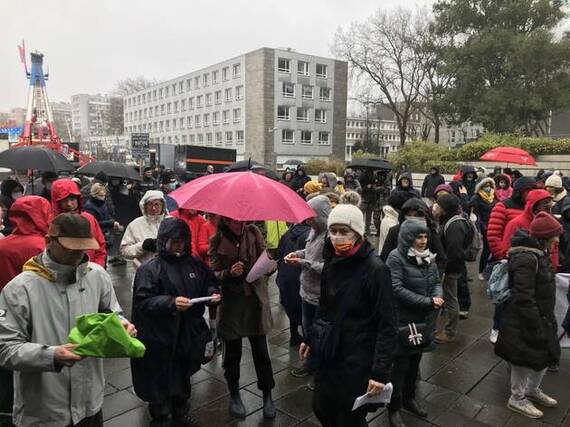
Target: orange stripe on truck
[[210, 162]]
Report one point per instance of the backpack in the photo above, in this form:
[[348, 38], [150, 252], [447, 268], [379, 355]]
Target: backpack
[[498, 289], [475, 243]]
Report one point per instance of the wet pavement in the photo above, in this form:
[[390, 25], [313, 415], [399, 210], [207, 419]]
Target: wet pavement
[[462, 383]]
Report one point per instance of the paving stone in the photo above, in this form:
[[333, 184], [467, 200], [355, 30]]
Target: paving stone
[[298, 404], [119, 403], [451, 419], [285, 383], [134, 418], [493, 415], [121, 380], [459, 376], [217, 414], [423, 388], [206, 392], [432, 363], [443, 397], [109, 389], [467, 406], [256, 419]]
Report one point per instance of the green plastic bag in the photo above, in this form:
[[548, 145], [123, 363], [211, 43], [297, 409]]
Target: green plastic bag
[[102, 335]]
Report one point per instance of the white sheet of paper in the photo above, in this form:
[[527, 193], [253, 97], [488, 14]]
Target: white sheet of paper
[[383, 397], [200, 300], [262, 266]]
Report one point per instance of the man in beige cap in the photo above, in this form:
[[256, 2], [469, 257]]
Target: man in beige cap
[[53, 386]]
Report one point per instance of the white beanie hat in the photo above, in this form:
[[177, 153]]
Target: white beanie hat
[[553, 181], [348, 215]]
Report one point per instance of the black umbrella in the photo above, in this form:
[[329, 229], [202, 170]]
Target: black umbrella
[[251, 165], [114, 169], [370, 162], [32, 157]]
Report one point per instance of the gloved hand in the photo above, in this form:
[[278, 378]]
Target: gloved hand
[[149, 245]]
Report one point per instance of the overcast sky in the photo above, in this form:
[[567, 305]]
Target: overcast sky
[[91, 44]]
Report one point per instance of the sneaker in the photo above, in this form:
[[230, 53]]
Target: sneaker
[[481, 277], [494, 335], [300, 372], [464, 315], [524, 407], [443, 338], [542, 399]]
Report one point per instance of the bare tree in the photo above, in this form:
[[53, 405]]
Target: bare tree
[[385, 55], [132, 84]]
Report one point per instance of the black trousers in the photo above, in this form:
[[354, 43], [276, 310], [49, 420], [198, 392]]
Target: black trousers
[[404, 375], [331, 413], [261, 360], [177, 406], [92, 421], [6, 391]]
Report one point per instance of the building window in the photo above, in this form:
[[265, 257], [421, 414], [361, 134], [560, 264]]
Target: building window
[[225, 74], [160, 93], [168, 109], [183, 105], [206, 79], [144, 98], [302, 114], [322, 71], [229, 95], [288, 90], [200, 139], [216, 118], [218, 97], [283, 112], [180, 87], [174, 122], [219, 140], [237, 115], [196, 82], [306, 137], [197, 121], [138, 100], [236, 70], [324, 138], [174, 89], [303, 68], [181, 123], [284, 65], [192, 139], [199, 101], [214, 77], [206, 119], [287, 136], [325, 94], [226, 116], [175, 106], [239, 93], [307, 92], [209, 139], [156, 110], [162, 110], [188, 85], [239, 137], [191, 103], [184, 139], [320, 116], [167, 124], [166, 92], [208, 99], [154, 95], [229, 137]]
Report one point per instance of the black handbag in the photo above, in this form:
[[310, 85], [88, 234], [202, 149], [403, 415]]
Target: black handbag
[[325, 334], [415, 336]]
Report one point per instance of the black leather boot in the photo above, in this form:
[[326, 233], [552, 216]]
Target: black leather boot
[[236, 405], [395, 418], [268, 405], [414, 407]]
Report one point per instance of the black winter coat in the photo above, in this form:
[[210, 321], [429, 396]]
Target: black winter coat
[[368, 333], [175, 341], [430, 184], [288, 276], [483, 211], [528, 334], [100, 210], [414, 286], [457, 238]]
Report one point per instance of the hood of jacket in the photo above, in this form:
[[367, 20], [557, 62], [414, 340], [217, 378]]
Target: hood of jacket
[[407, 175], [415, 204], [30, 215], [437, 170], [503, 176], [409, 230], [391, 212], [523, 242], [152, 195], [443, 187], [322, 207], [533, 198], [297, 230], [8, 186], [520, 186], [61, 189], [483, 183], [331, 178], [173, 228], [468, 169]]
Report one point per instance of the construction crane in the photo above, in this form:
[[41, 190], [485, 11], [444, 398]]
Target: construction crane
[[39, 127]]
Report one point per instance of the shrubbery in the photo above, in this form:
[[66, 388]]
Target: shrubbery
[[316, 166]]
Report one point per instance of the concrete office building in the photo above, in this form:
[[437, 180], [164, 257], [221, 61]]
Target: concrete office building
[[383, 134], [272, 105], [96, 116]]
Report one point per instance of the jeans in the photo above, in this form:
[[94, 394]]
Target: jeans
[[463, 292], [525, 381], [331, 413], [450, 305], [261, 361], [403, 378], [484, 253], [309, 311]]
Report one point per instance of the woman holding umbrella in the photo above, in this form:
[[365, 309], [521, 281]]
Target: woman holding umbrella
[[245, 310]]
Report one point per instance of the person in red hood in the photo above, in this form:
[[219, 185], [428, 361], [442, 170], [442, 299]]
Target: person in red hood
[[66, 197], [206, 232], [536, 201], [30, 218], [195, 222]]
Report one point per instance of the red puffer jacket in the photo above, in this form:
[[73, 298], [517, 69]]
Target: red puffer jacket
[[62, 189], [505, 211], [523, 222], [195, 222]]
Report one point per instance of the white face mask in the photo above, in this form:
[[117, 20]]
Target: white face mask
[[102, 198], [17, 195]]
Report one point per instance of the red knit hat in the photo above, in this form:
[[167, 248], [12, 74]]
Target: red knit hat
[[545, 226]]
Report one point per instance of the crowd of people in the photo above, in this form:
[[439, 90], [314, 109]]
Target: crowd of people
[[362, 314]]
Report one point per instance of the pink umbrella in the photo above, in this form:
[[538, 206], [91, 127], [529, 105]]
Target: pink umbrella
[[243, 196]]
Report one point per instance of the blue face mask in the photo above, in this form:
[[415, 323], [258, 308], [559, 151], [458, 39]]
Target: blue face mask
[[172, 186], [488, 190]]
